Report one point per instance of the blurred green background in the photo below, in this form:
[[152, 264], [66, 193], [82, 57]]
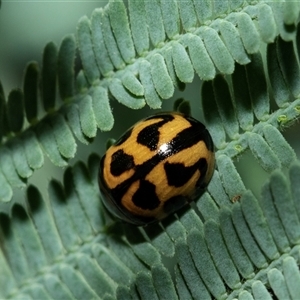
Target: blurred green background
[[25, 29]]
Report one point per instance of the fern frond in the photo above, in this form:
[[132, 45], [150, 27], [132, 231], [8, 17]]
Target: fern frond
[[139, 55], [237, 254], [67, 248], [242, 119]]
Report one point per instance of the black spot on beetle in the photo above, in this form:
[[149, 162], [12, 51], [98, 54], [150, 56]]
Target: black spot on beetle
[[149, 136], [121, 162], [145, 197], [202, 166], [178, 175]]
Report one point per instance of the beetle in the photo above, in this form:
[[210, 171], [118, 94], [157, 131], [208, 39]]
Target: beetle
[[159, 165]]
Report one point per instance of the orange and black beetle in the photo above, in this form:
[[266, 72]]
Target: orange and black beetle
[[156, 167]]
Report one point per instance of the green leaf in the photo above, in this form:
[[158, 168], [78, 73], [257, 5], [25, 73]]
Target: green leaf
[[120, 28], [291, 12], [163, 283], [65, 67], [96, 278], [61, 216], [8, 169], [266, 23], [110, 42], [278, 284], [291, 272], [170, 15], [87, 118], [132, 84], [49, 73], [279, 85], [273, 219], [295, 187], [200, 58], [81, 82], [187, 14], [220, 255], [212, 116], [160, 76], [6, 190], [252, 249], [44, 224], [160, 240], [225, 107], [6, 279], [143, 250], [258, 225], [55, 288], [30, 88], [118, 91], [262, 152], [189, 272], [75, 282], [235, 3], [278, 10], [204, 10], [3, 116], [19, 158], [123, 293], [242, 100], [84, 189], [216, 190], [217, 50], [85, 46], [175, 230], [32, 248], [64, 139], [15, 111], [289, 66], [220, 7], [145, 286], [101, 54], [182, 64], [208, 207], [74, 123], [47, 140], [151, 96], [181, 286], [139, 31], [233, 42], [279, 145], [234, 245], [230, 178], [125, 253], [112, 265], [248, 32], [204, 264], [260, 292], [102, 110], [154, 21], [285, 207], [258, 87], [190, 219]]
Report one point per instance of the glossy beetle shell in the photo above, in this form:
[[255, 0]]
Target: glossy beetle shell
[[156, 167]]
